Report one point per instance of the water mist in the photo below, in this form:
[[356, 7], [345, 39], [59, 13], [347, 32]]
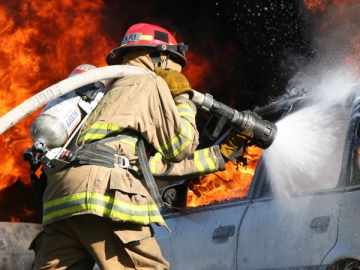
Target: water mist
[[307, 152]]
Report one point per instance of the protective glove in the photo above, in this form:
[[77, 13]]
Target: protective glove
[[234, 144], [177, 82], [249, 134]]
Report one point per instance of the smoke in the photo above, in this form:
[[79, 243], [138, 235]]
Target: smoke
[[335, 54], [307, 152]]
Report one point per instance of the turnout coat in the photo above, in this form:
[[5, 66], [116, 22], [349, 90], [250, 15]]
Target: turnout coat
[[133, 106]]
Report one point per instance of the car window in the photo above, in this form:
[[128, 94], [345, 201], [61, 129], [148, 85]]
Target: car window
[[344, 161], [233, 183], [355, 180], [354, 154]]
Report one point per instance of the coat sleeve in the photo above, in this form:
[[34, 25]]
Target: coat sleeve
[[168, 123], [201, 162]]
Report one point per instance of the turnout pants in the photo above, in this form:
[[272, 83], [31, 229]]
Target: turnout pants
[[81, 241]]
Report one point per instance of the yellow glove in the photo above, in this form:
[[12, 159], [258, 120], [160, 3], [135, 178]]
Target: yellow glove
[[234, 144], [177, 82]]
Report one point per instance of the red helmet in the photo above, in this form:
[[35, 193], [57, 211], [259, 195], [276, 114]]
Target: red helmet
[[80, 69], [149, 35]]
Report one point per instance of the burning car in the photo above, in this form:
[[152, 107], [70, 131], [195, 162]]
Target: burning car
[[236, 219]]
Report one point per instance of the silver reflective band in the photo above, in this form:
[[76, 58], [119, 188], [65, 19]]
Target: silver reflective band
[[121, 161], [208, 102]]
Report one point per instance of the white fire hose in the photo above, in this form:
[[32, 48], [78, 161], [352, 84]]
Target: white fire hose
[[71, 83]]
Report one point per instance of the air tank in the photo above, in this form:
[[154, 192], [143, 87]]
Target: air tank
[[60, 117]]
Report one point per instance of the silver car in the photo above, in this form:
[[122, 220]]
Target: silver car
[[258, 228], [314, 228]]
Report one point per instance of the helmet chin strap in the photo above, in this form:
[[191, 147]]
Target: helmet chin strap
[[157, 61]]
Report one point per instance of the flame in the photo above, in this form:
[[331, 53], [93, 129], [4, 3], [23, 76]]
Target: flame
[[196, 73], [234, 182], [41, 43], [316, 4], [342, 16], [324, 4]]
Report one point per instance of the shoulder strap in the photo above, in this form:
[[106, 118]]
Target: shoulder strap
[[149, 178]]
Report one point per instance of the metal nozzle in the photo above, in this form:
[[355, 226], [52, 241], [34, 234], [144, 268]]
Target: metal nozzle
[[263, 131]]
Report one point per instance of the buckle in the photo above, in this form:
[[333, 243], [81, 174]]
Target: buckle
[[121, 161]]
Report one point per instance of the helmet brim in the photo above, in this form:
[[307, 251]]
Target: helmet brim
[[115, 57]]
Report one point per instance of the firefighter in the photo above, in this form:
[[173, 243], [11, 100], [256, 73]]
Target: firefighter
[[99, 208]]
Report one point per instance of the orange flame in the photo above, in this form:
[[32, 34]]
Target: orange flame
[[324, 4], [234, 182], [344, 15], [41, 43], [316, 4]]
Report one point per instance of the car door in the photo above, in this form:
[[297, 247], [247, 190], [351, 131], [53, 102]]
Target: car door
[[295, 232], [203, 237], [346, 253]]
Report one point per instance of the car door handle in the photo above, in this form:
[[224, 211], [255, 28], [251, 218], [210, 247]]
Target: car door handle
[[320, 224], [225, 231]]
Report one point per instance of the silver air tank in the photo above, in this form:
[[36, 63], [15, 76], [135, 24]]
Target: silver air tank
[[60, 117]]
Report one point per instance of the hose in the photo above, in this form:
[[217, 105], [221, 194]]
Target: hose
[[63, 87], [240, 120]]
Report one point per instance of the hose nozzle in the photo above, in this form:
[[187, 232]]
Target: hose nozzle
[[264, 132]]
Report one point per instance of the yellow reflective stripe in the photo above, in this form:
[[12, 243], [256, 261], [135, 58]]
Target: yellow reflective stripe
[[130, 140], [146, 37], [179, 142], [185, 110], [102, 205], [98, 131], [153, 160], [204, 162]]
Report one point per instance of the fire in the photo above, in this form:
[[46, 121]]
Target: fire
[[196, 73], [316, 4], [323, 4], [340, 23], [41, 43], [234, 182]]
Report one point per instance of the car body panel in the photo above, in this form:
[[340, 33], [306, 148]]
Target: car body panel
[[212, 229], [348, 243], [297, 231]]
